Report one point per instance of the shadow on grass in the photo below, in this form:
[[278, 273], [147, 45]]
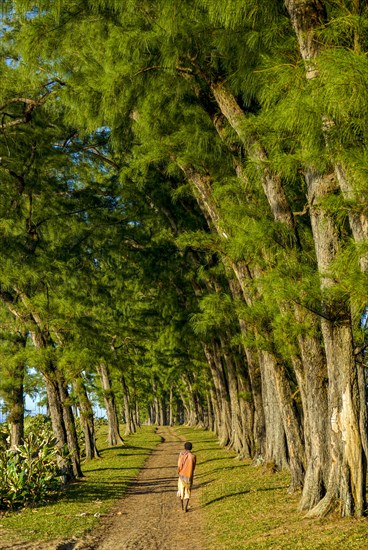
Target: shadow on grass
[[205, 449], [227, 468], [238, 493], [124, 448], [223, 497], [98, 491], [213, 459]]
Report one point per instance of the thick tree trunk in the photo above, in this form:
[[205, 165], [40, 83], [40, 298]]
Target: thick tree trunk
[[291, 421], [58, 424], [187, 416], [346, 490], [216, 411], [259, 424], [236, 437], [213, 355], [306, 17], [14, 398], [311, 373], [114, 437], [347, 478], [275, 442], [71, 433], [15, 402], [246, 410], [87, 419], [129, 424], [276, 447], [271, 182]]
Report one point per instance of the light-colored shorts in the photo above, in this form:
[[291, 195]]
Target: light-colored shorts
[[184, 489]]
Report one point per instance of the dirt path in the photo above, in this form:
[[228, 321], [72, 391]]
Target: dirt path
[[149, 516]]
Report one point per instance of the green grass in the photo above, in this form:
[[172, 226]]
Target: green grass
[[242, 507], [246, 507], [78, 510]]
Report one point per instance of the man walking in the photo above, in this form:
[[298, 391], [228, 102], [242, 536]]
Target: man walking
[[186, 466]]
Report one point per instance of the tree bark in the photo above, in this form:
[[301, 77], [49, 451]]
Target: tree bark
[[216, 410], [114, 437], [129, 424], [236, 441], [58, 424], [306, 16], [312, 377], [347, 477], [15, 401], [15, 417], [246, 406], [87, 419], [213, 356], [71, 433]]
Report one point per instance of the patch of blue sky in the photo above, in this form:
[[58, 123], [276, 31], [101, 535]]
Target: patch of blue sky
[[364, 319]]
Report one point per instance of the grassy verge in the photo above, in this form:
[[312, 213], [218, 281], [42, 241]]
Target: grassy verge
[[78, 510], [245, 507]]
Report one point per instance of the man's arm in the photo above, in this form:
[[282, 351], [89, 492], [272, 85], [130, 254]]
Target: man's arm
[[179, 463], [194, 462]]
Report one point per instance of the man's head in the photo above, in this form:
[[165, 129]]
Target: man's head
[[188, 446]]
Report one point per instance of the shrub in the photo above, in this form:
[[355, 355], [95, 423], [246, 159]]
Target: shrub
[[4, 436], [29, 473]]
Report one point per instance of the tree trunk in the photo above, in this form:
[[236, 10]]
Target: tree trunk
[[276, 447], [71, 433], [347, 478], [306, 17], [57, 422], [311, 373], [292, 427], [171, 413], [213, 356], [216, 411], [236, 440], [246, 410], [129, 425], [194, 404], [15, 402], [186, 410], [253, 403], [114, 437], [87, 419], [210, 421], [161, 411]]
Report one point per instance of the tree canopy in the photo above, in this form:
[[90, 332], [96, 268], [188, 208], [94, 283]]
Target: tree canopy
[[184, 225]]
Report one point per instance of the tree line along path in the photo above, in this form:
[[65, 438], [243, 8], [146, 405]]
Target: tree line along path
[[184, 232]]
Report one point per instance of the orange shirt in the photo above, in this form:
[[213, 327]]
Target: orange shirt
[[186, 465]]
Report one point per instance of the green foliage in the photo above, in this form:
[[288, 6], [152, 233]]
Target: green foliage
[[82, 503], [4, 437], [111, 250], [29, 473]]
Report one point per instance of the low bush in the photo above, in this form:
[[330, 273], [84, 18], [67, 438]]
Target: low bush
[[4, 436], [30, 472]]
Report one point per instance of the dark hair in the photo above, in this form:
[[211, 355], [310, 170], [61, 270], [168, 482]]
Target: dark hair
[[188, 446]]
